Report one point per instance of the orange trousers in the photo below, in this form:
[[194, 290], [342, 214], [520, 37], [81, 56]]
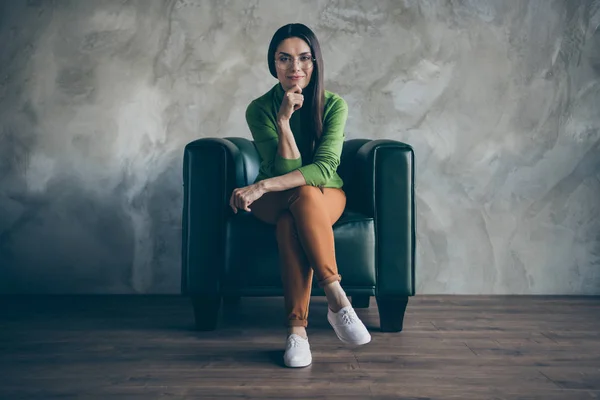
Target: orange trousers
[[304, 217]]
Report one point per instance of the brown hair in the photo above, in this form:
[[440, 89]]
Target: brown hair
[[316, 91]]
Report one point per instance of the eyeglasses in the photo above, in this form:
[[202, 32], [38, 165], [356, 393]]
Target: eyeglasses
[[286, 62]]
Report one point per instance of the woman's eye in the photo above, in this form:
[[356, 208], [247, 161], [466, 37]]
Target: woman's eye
[[284, 59], [305, 58]]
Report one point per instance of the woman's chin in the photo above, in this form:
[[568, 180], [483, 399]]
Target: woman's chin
[[290, 83]]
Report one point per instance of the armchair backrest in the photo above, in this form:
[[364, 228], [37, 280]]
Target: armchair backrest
[[348, 170], [250, 158]]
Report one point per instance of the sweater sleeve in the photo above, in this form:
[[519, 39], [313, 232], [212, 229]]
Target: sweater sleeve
[[266, 139], [329, 150]]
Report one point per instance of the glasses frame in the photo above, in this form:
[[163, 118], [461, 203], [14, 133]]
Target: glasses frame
[[294, 59]]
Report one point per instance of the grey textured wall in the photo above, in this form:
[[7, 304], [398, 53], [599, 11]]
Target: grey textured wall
[[500, 100]]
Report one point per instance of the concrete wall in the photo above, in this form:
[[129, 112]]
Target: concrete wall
[[500, 100]]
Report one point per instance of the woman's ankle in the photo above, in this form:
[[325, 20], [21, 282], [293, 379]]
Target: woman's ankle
[[336, 297], [298, 330]]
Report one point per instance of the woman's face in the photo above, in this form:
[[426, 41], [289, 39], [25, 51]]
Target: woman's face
[[293, 62]]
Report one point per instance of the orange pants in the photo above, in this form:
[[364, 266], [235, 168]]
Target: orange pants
[[304, 217]]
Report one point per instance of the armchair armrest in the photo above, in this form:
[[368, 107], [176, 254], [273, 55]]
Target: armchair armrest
[[212, 168], [385, 175]]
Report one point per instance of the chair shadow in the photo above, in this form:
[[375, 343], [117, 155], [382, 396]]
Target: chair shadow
[[171, 313], [268, 313]]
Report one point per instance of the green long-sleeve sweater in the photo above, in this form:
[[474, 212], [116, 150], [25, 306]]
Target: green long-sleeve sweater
[[261, 116]]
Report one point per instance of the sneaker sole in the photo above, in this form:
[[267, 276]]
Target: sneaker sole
[[298, 364], [365, 341], [359, 343]]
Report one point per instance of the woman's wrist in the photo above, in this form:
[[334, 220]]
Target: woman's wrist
[[283, 122], [263, 186]]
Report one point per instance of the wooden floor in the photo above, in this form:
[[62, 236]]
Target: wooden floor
[[453, 347]]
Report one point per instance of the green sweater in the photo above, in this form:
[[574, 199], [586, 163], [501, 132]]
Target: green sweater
[[261, 116]]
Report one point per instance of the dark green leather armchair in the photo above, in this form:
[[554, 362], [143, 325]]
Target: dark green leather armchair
[[226, 256]]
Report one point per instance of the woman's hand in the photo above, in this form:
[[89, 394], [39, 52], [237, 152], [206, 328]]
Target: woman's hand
[[241, 198], [292, 101]]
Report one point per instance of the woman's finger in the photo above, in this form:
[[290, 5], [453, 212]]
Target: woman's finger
[[236, 201], [231, 202], [242, 202], [292, 97]]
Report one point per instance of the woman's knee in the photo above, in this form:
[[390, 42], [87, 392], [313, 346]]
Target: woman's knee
[[308, 193]]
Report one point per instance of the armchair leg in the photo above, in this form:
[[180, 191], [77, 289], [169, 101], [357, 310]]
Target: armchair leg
[[391, 312], [206, 311], [360, 301]]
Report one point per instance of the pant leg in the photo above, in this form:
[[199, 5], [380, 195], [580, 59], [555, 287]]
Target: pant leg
[[315, 211], [304, 217], [271, 205], [296, 273]]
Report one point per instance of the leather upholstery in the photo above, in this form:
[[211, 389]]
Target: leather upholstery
[[251, 251], [223, 252]]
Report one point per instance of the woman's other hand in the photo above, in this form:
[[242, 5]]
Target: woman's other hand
[[242, 198], [292, 101]]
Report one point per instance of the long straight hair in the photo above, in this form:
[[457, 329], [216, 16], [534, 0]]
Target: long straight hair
[[316, 91]]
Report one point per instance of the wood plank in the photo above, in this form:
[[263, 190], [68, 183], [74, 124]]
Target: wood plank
[[462, 347]]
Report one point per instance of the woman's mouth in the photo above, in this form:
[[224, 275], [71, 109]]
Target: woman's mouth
[[295, 77]]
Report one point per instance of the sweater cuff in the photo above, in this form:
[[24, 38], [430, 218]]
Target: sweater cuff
[[282, 165], [312, 174]]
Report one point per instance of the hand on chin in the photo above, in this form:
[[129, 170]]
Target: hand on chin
[[290, 83]]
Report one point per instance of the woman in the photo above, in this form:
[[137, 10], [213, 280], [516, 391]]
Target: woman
[[298, 129]]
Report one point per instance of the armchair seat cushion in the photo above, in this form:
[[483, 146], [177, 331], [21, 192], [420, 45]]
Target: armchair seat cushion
[[251, 256]]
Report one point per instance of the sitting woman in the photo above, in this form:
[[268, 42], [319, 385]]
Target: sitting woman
[[298, 129]]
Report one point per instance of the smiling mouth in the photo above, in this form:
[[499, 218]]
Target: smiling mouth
[[296, 77]]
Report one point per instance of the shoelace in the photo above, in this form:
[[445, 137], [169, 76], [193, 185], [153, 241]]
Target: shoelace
[[349, 317], [293, 342]]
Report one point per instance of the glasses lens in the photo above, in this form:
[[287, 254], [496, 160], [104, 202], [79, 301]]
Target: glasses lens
[[283, 62]]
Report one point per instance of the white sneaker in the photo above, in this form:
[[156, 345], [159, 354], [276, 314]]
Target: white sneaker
[[348, 327], [297, 352]]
